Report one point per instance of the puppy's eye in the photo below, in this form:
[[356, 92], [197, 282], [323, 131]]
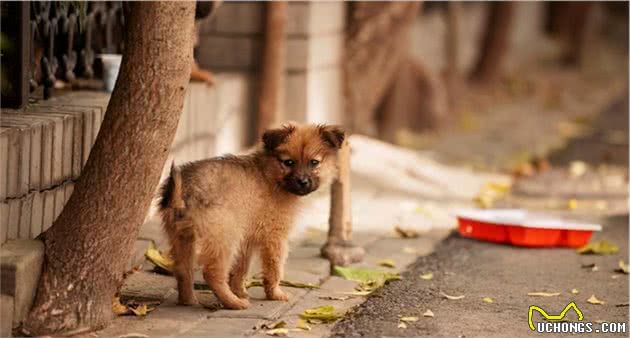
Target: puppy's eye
[[288, 163], [314, 163]]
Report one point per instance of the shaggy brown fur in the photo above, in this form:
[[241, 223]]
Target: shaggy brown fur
[[218, 212]]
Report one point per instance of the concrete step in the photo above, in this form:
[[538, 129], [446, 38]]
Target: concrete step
[[20, 267]]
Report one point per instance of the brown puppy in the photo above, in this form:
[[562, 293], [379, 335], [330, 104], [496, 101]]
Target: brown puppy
[[218, 212]]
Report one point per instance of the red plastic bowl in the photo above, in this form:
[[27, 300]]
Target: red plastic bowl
[[522, 228]]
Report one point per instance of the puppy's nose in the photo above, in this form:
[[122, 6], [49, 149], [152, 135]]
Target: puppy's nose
[[303, 181]]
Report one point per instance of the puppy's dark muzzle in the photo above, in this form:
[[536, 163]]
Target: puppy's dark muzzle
[[300, 185]]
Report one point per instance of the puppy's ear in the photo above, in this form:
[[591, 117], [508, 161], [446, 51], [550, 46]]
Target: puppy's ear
[[332, 135], [272, 138]]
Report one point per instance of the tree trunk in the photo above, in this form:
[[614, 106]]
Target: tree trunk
[[452, 74], [271, 82], [89, 245], [377, 44], [495, 42]]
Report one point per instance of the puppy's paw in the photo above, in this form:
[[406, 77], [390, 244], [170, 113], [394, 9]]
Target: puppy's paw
[[277, 294], [237, 304], [241, 293], [187, 301]]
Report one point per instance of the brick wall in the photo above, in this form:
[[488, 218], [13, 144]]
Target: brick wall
[[44, 147], [231, 40]]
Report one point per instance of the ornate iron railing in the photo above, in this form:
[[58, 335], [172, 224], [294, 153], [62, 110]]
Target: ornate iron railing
[[45, 42]]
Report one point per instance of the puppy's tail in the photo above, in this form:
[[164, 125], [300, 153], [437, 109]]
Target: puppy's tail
[[172, 196]]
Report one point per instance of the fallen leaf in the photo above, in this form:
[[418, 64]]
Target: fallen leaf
[[410, 251], [277, 325], [428, 313], [409, 319], [488, 300], [402, 325], [575, 291], [602, 247], [543, 294], [406, 233], [154, 256], [601, 205], [572, 204], [370, 279], [577, 169], [118, 308], [451, 297], [623, 267], [357, 293], [334, 297], [303, 325], [427, 276], [594, 300], [255, 282], [324, 313], [281, 332], [388, 263], [141, 310]]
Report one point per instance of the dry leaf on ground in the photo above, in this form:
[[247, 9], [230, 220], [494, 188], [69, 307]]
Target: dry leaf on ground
[[369, 280], [406, 233], [281, 332], [427, 276], [451, 297], [161, 261], [276, 325], [334, 297], [118, 308], [575, 291], [594, 300], [487, 300], [303, 325], [402, 325], [388, 263], [543, 294], [428, 313], [623, 267], [409, 319], [409, 250]]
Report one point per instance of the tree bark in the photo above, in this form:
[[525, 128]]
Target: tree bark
[[495, 42], [377, 44], [89, 245], [452, 74], [271, 84]]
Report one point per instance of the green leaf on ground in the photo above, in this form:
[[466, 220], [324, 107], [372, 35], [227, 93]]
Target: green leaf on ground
[[602, 247], [325, 314], [362, 275]]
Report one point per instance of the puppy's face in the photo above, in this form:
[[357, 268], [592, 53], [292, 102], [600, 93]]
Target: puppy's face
[[302, 157]]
